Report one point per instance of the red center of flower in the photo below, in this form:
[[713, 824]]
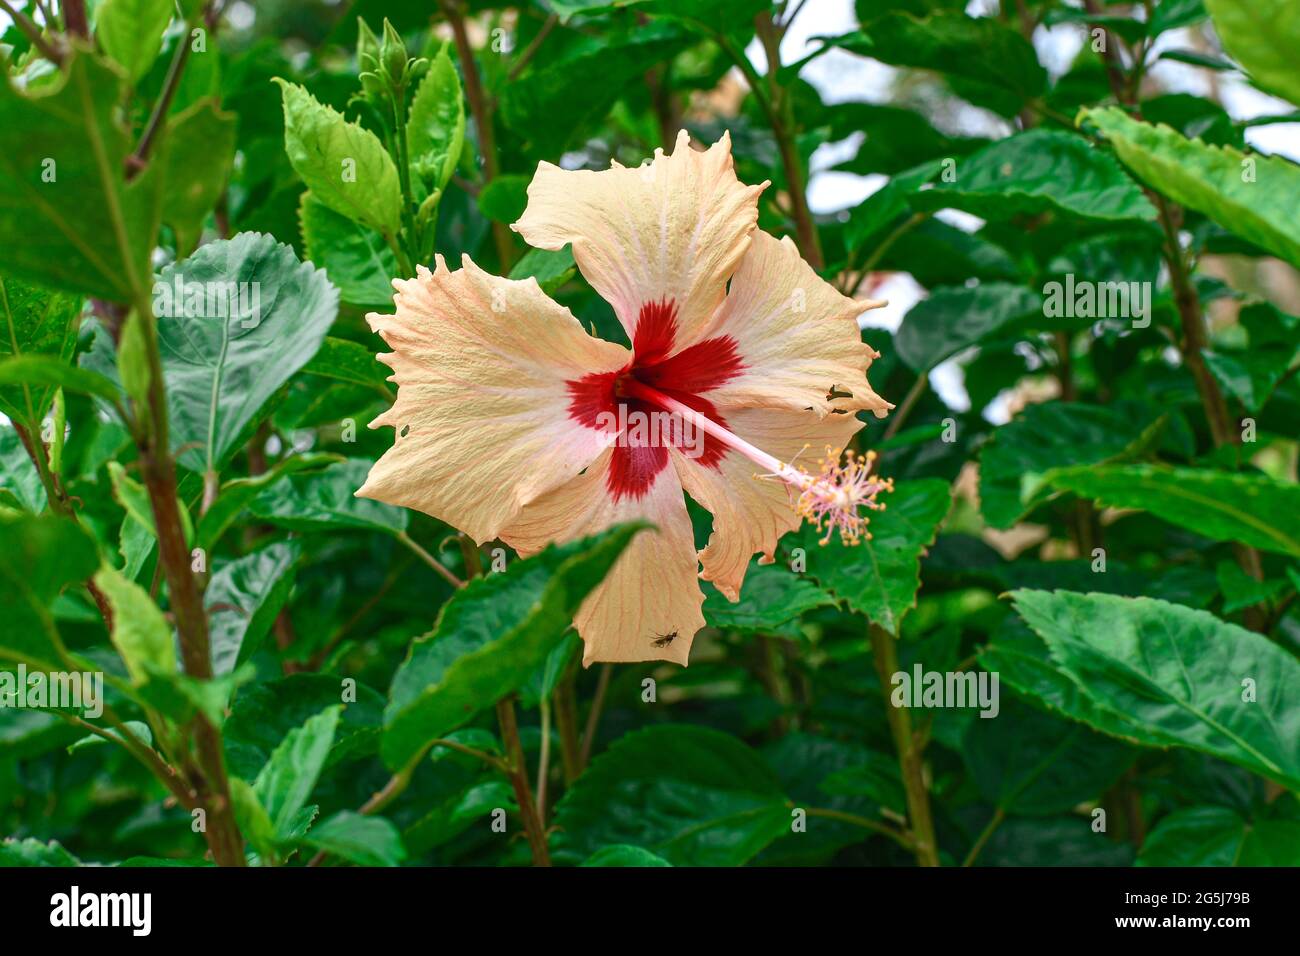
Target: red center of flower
[[600, 400]]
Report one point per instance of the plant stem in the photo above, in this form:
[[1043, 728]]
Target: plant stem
[[396, 785], [778, 109], [518, 770], [469, 551], [909, 400], [1193, 326], [487, 758], [74, 18], [566, 722], [904, 227], [531, 50], [403, 159], [983, 838], [909, 752], [159, 473], [783, 106], [515, 764], [481, 107], [145, 754], [158, 116], [1193, 345], [544, 757], [593, 718], [59, 503], [28, 28], [902, 839], [430, 560]]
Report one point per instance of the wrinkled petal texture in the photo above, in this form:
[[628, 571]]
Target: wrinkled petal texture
[[482, 411], [796, 336], [671, 230], [648, 606]]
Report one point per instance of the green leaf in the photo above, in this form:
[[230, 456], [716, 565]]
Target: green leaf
[[504, 198], [356, 258], [489, 639], [132, 496], [883, 208], [622, 854], [550, 269], [346, 361], [1221, 506], [365, 841], [36, 322], [51, 373], [68, 218], [181, 697], [326, 501], [140, 632], [1218, 836], [137, 729], [952, 319], [987, 54], [235, 321], [32, 852], [877, 781], [770, 597], [1251, 374], [243, 599], [1240, 590], [1194, 117], [1262, 36], [936, 254], [897, 139], [435, 127], [18, 473], [1026, 762], [1039, 171], [1262, 207], [1172, 14], [1052, 841], [237, 494], [1181, 677], [1050, 435], [1023, 662], [581, 85], [264, 713], [200, 149], [691, 795], [38, 558], [290, 775], [254, 822], [131, 32], [344, 165], [880, 576]]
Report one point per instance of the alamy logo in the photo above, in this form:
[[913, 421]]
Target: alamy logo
[[924, 688], [179, 299], [58, 690], [1098, 300], [134, 910]]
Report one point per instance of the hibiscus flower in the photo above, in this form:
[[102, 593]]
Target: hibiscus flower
[[514, 424]]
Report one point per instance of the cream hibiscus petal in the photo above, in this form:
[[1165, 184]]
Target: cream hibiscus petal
[[483, 367], [648, 606], [796, 339], [657, 242], [751, 512]]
